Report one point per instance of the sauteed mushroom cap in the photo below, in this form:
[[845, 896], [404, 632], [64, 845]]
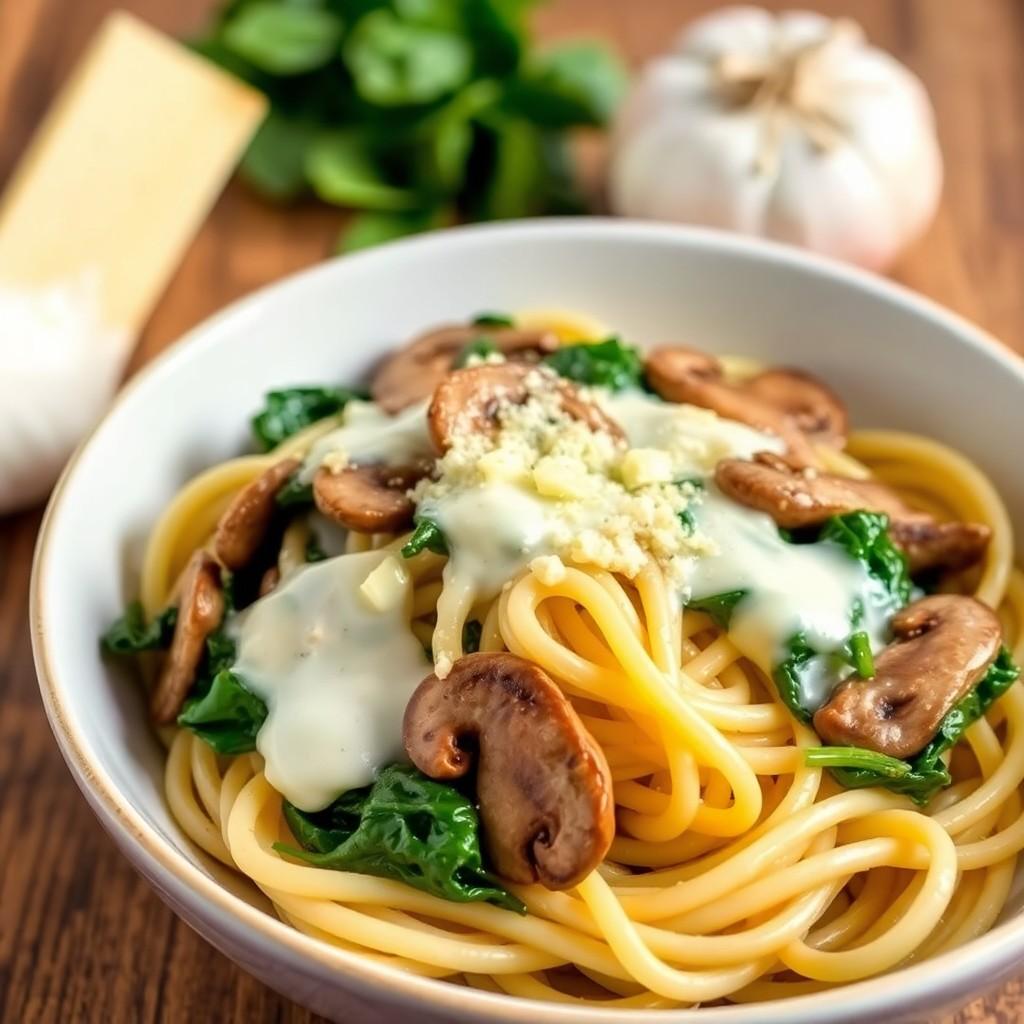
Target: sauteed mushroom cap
[[543, 784], [469, 401], [943, 645], [369, 498], [413, 372], [200, 610]]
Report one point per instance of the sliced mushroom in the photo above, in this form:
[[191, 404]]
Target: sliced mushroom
[[370, 498], [813, 406], [469, 401], [796, 497], [943, 646], [680, 374], [543, 784], [929, 544], [245, 522], [269, 580], [200, 610], [413, 372]]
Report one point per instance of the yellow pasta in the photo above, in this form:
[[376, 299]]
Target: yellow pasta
[[738, 872]]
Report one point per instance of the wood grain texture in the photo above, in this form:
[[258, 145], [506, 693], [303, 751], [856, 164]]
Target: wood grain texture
[[82, 938]]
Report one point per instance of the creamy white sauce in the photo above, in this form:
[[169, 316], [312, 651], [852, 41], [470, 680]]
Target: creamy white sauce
[[368, 434], [493, 532], [792, 588], [336, 675], [699, 435]]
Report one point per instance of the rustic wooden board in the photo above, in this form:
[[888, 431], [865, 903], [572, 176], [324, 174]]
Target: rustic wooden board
[[82, 938]]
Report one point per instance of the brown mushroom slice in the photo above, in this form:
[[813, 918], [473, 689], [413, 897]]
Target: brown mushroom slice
[[813, 406], [413, 372], [243, 526], [943, 645], [269, 580], [796, 498], [929, 544], [369, 498], [200, 610], [681, 374], [469, 401], [543, 784]]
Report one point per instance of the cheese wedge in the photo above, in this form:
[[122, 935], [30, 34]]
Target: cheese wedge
[[124, 169]]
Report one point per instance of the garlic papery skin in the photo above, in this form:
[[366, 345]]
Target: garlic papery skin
[[791, 127], [59, 366]]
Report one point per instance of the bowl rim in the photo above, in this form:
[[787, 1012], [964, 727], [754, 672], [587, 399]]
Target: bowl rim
[[945, 976]]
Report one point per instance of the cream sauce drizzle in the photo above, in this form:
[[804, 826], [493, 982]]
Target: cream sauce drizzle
[[368, 434], [336, 675]]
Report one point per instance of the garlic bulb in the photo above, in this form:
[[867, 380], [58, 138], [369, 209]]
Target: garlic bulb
[[787, 126], [59, 367]]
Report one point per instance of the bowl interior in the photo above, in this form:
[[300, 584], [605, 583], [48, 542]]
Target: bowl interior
[[897, 360]]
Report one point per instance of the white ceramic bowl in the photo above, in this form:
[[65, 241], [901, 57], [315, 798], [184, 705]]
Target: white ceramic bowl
[[898, 360]]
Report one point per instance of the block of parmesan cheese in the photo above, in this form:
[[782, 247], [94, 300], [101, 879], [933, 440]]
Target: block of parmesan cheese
[[124, 169]]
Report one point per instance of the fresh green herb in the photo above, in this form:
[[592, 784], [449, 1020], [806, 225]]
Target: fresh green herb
[[406, 827], [719, 606], [858, 650], [857, 758], [687, 522], [314, 549], [131, 633], [226, 715], [419, 112], [865, 537], [427, 535], [925, 773], [472, 632], [607, 364], [283, 38], [286, 412], [789, 675], [493, 320], [580, 83], [478, 347], [373, 227], [294, 493]]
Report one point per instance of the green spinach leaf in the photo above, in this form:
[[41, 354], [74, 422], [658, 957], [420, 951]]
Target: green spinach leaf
[[865, 536], [427, 535], [282, 38], [606, 364], [406, 827], [132, 634], [577, 83], [492, 319], [290, 410], [925, 773], [397, 62], [226, 715], [719, 606]]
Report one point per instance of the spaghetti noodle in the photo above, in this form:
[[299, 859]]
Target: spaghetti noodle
[[738, 870]]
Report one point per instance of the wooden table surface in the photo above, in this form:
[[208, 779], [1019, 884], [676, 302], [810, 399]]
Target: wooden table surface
[[82, 938]]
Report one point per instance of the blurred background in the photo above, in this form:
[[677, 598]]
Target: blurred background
[[81, 937]]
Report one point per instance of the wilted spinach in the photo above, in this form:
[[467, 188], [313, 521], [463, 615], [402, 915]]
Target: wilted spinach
[[922, 775], [427, 535], [406, 827], [132, 634], [290, 410], [607, 364]]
